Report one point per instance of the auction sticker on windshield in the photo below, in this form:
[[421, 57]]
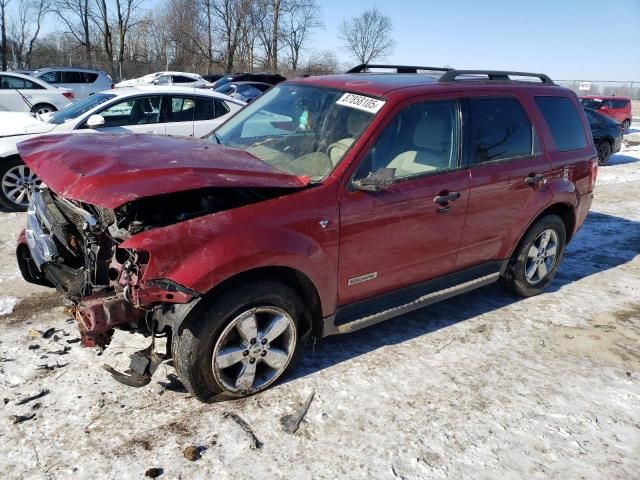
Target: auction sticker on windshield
[[366, 104]]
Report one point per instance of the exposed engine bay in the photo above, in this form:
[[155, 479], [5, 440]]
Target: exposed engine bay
[[75, 247]]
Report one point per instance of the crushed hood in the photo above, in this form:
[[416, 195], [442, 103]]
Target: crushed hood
[[111, 170], [19, 123]]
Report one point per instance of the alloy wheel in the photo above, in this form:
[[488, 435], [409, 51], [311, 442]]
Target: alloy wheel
[[254, 349], [541, 257], [43, 109], [17, 182]]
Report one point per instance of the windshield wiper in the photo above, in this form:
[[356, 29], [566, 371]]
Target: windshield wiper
[[29, 104]]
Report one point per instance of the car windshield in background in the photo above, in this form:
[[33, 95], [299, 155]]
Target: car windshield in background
[[591, 103], [74, 110], [300, 129]]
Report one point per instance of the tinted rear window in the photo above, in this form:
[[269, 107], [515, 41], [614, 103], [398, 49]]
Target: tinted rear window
[[564, 122], [501, 129]]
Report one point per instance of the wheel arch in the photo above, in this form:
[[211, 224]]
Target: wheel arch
[[289, 276], [563, 210]]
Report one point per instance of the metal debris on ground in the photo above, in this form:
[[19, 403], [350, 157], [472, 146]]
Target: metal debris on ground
[[64, 351], [154, 472], [73, 340], [51, 367], [41, 394], [291, 423], [48, 333], [34, 346], [257, 444], [22, 418], [193, 453]]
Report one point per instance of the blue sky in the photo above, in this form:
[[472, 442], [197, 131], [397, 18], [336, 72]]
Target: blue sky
[[567, 39]]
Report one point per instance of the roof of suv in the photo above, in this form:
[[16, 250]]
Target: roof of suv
[[381, 84]]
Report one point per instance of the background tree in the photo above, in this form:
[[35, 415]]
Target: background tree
[[76, 17], [3, 28], [31, 13], [300, 18], [368, 36]]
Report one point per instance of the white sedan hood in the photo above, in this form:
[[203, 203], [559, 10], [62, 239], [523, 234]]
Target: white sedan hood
[[18, 123]]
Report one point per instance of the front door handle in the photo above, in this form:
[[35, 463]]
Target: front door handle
[[446, 198], [533, 179]]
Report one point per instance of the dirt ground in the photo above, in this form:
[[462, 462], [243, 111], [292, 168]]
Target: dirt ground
[[480, 386]]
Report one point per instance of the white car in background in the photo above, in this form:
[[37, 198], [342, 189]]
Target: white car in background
[[83, 81], [22, 93], [180, 79], [152, 110]]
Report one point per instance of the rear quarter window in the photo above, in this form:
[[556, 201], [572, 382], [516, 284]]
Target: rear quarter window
[[564, 121], [619, 103]]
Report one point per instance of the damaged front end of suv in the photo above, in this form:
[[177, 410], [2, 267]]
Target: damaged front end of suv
[[80, 221]]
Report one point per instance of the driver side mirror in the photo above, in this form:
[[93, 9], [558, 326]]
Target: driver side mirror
[[377, 181], [95, 121]]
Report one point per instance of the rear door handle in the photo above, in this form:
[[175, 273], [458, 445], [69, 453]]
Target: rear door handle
[[533, 179], [444, 199]]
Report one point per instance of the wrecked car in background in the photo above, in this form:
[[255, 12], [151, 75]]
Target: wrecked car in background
[[326, 205]]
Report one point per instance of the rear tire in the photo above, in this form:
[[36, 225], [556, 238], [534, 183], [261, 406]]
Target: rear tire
[[217, 349], [626, 125], [536, 258], [604, 152], [42, 108]]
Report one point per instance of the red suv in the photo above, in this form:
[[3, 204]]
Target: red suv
[[618, 108], [327, 205]]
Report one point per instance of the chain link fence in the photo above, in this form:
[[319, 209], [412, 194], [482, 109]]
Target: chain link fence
[[629, 89]]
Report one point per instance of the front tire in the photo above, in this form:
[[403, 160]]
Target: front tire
[[42, 108], [16, 181], [537, 257], [240, 343]]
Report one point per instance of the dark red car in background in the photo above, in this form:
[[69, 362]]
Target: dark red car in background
[[327, 205], [617, 108]]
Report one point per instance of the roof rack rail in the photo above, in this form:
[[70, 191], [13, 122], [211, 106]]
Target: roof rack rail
[[399, 68], [494, 75]]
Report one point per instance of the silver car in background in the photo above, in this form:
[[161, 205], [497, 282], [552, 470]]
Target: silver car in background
[[83, 81]]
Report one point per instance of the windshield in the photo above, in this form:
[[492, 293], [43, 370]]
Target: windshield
[[591, 103], [300, 129], [76, 109]]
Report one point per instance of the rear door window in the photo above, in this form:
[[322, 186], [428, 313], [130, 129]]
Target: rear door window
[[500, 130], [186, 108], [564, 122], [182, 79], [619, 103], [72, 77]]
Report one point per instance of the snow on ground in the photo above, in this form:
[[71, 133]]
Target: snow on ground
[[7, 304], [480, 386]]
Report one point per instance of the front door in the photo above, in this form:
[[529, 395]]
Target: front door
[[133, 115], [410, 231], [508, 177]]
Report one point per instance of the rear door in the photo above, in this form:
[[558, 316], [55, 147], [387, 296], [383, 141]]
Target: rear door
[[508, 175], [401, 235]]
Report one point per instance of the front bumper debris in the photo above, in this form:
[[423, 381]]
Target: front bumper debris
[[97, 315]]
